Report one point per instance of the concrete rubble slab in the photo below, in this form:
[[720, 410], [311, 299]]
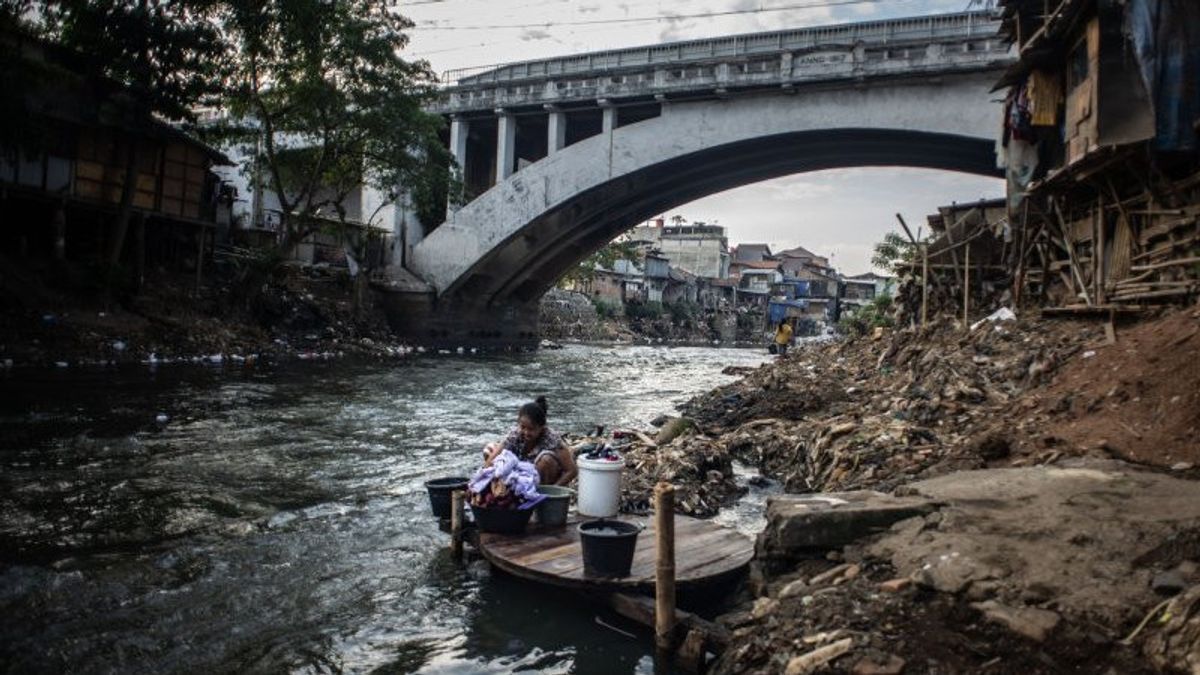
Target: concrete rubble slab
[[1080, 537], [799, 524]]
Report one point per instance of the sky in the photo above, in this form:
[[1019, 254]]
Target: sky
[[839, 213]]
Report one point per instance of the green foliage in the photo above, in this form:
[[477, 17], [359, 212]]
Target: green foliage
[[163, 55], [644, 310], [606, 257], [683, 312], [604, 310], [749, 321], [328, 77], [867, 317], [894, 249]]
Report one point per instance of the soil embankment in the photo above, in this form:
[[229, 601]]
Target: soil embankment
[[65, 320], [1057, 473], [572, 316]]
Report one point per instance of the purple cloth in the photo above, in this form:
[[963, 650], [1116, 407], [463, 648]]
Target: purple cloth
[[520, 477]]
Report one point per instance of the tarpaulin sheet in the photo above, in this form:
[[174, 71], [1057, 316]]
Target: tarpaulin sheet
[[1166, 39], [778, 311]]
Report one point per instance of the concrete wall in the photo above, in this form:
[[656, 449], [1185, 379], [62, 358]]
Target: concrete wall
[[519, 236]]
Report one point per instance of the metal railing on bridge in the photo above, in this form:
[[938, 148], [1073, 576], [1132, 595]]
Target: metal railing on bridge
[[933, 28]]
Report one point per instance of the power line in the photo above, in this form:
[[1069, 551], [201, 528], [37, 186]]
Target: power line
[[673, 17]]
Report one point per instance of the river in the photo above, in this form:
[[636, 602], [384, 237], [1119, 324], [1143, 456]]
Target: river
[[273, 519]]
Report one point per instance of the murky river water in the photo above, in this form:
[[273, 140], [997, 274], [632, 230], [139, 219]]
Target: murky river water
[[276, 520]]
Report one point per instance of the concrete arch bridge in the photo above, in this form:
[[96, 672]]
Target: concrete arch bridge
[[565, 154]]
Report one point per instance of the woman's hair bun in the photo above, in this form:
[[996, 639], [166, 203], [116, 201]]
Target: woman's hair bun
[[541, 401]]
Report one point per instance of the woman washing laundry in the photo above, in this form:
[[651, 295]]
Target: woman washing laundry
[[535, 442]]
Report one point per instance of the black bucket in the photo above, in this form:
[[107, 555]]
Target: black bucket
[[608, 547], [501, 521], [440, 490]]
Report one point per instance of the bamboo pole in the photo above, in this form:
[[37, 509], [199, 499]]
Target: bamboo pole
[[906, 230], [664, 584], [967, 290], [456, 523], [1170, 263], [924, 284]]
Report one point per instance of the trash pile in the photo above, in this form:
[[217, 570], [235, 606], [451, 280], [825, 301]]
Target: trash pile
[[506, 483], [697, 464], [877, 413]]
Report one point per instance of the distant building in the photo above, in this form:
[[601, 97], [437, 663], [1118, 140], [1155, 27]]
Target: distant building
[[795, 259], [657, 275], [883, 285], [757, 277], [751, 253], [699, 249]]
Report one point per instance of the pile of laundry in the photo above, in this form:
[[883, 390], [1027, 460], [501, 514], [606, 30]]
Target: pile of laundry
[[506, 483]]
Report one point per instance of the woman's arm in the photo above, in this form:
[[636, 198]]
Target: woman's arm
[[569, 469]]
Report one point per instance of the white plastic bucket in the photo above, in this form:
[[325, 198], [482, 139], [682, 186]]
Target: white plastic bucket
[[599, 487]]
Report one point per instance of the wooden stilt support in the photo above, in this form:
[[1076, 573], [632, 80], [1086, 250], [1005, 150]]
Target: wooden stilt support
[[199, 258], [924, 284], [457, 499], [967, 290], [664, 583]]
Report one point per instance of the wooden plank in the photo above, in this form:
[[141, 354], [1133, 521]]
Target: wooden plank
[[704, 551]]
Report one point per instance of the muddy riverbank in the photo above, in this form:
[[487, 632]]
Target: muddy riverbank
[[955, 589]]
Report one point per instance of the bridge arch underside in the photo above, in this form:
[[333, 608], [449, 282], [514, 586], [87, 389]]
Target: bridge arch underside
[[523, 267]]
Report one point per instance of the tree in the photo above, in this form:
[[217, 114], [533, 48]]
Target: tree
[[606, 257], [318, 94], [146, 59], [893, 250]]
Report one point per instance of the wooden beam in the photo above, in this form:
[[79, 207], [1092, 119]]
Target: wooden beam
[[664, 582], [640, 609], [457, 499]]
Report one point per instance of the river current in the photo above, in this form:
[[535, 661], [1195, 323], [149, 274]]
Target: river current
[[274, 520]]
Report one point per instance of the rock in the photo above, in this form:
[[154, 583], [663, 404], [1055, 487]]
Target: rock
[[764, 607], [1031, 622], [812, 661], [672, 429], [895, 585], [952, 572], [793, 589], [830, 574], [1182, 466], [1168, 583], [800, 523], [879, 664]]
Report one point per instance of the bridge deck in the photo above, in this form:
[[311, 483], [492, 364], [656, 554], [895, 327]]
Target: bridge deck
[[705, 553]]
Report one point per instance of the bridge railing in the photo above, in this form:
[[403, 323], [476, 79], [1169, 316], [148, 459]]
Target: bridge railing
[[934, 27]]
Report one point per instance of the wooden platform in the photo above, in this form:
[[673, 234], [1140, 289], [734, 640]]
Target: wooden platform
[[705, 553]]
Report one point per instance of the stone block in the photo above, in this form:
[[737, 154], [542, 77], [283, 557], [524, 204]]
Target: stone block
[[799, 525], [1035, 624]]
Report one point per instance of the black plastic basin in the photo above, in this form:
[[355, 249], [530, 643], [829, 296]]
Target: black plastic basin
[[608, 547], [440, 490]]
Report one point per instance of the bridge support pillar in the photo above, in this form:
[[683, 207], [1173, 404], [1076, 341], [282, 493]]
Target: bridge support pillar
[[609, 120], [556, 129], [506, 145], [423, 319], [459, 128]]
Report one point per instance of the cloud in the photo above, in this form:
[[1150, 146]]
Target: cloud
[[794, 189]]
